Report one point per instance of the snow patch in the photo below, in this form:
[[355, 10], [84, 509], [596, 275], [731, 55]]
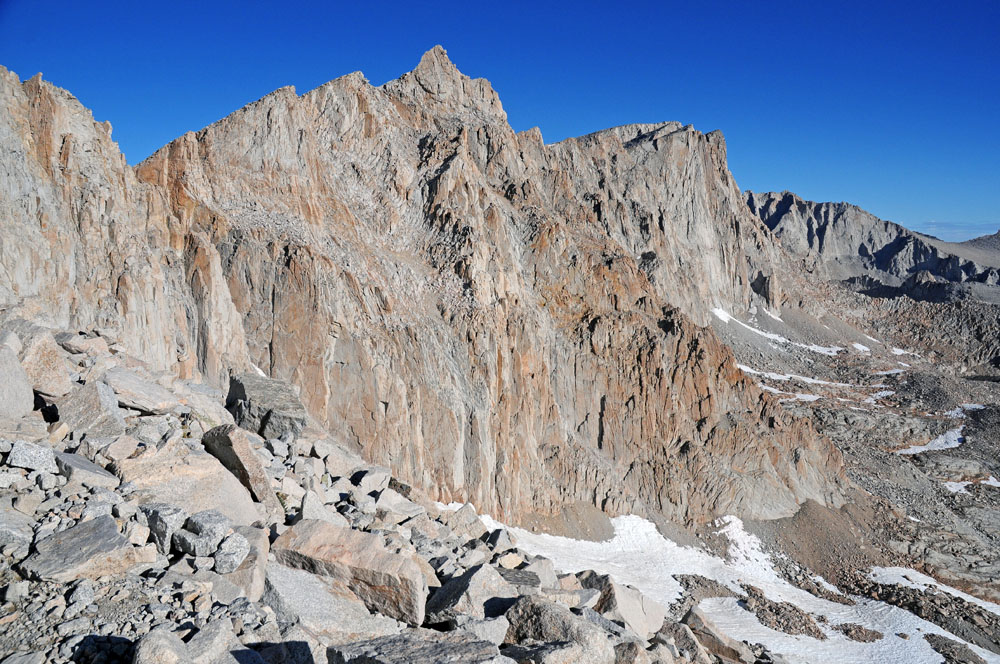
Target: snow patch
[[945, 441], [914, 579], [878, 395], [960, 411], [957, 487], [724, 316], [992, 481], [777, 376], [640, 556], [862, 348], [890, 372]]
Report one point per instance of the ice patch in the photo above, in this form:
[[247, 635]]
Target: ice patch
[[879, 395], [960, 411], [799, 396], [914, 579], [724, 316], [777, 376], [640, 556], [862, 348], [945, 441]]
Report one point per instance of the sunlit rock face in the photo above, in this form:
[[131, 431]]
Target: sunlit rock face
[[498, 320]]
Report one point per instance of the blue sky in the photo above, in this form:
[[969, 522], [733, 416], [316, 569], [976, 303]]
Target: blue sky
[[890, 106]]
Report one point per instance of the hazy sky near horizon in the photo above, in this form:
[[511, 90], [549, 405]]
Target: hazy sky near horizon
[[891, 106]]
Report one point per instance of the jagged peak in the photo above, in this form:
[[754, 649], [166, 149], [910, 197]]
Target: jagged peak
[[436, 62], [436, 84]]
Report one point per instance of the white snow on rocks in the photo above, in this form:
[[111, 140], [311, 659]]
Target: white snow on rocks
[[960, 411], [861, 348], [945, 441], [640, 556], [890, 372], [957, 487], [724, 316], [914, 579], [782, 377]]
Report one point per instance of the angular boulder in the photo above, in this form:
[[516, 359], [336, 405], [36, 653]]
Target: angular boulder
[[478, 593], [76, 468], [44, 362], [89, 549], [418, 647], [16, 396], [324, 606], [533, 619], [266, 406], [625, 604], [32, 457], [250, 574], [716, 641], [93, 410], [15, 527], [388, 583], [231, 446], [179, 475], [136, 392]]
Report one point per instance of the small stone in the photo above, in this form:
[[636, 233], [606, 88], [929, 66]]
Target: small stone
[[83, 592], [195, 545], [32, 457], [46, 481], [231, 553], [163, 521], [210, 523]]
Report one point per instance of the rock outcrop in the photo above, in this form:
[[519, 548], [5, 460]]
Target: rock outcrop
[[842, 241], [494, 319]]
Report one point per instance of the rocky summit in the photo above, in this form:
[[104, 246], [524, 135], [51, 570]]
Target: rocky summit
[[364, 375]]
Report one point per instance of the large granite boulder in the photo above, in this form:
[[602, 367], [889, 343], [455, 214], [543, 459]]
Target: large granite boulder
[[266, 406], [89, 549], [16, 396], [388, 583], [418, 647]]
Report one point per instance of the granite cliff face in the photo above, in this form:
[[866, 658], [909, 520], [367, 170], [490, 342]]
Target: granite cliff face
[[86, 244], [498, 320]]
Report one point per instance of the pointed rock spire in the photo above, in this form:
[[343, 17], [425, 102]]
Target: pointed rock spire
[[438, 86]]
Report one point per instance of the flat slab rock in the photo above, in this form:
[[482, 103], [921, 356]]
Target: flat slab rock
[[90, 549], [179, 475], [388, 583], [323, 606], [16, 396], [231, 446], [419, 647], [136, 392], [92, 409]]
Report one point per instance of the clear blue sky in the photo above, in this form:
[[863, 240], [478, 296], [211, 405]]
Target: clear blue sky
[[888, 105]]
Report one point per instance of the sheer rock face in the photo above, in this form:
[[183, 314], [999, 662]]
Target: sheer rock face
[[498, 320], [86, 244]]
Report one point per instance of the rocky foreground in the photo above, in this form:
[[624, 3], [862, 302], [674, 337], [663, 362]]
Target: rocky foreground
[[141, 520]]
